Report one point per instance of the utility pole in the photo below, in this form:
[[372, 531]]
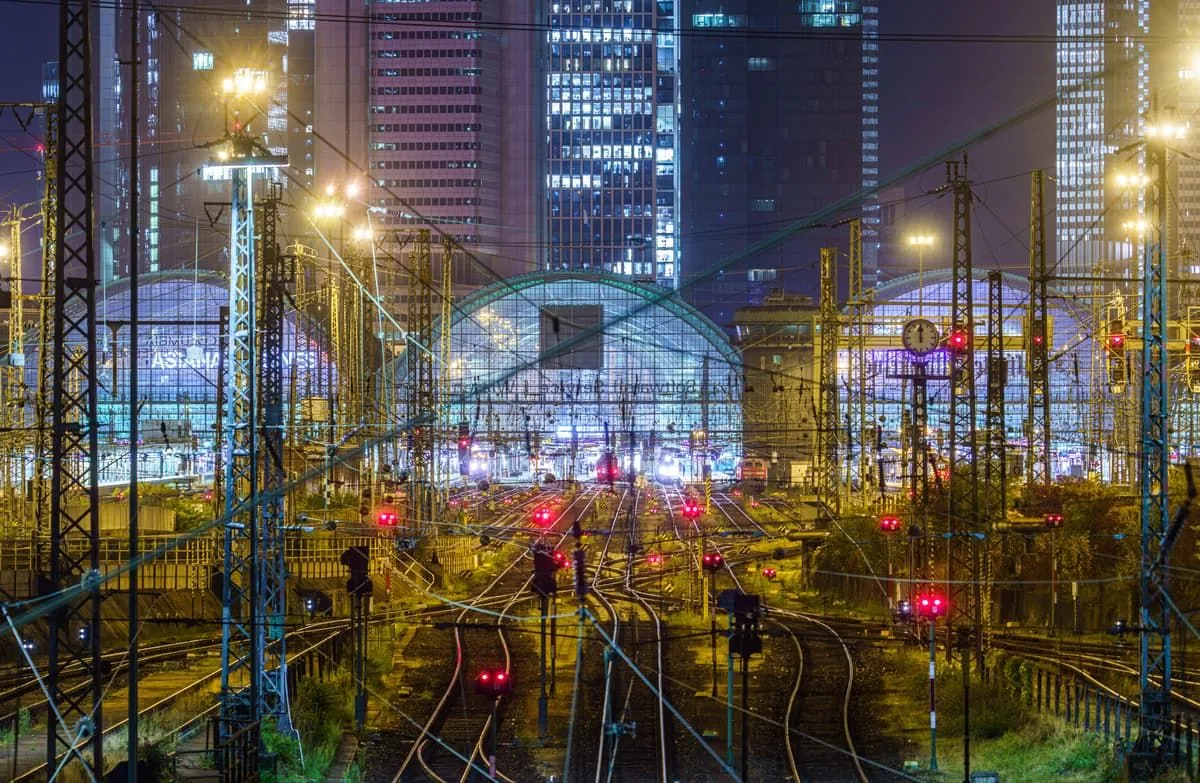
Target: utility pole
[[860, 395], [828, 489], [996, 461], [963, 557], [135, 243], [74, 632], [276, 271], [422, 411], [1154, 706], [1037, 345]]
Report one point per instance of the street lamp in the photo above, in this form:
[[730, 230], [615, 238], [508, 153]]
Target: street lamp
[[921, 242]]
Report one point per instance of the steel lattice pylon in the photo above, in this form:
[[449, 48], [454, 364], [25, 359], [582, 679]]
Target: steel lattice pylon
[[74, 638], [859, 394], [995, 462], [277, 272], [828, 489], [422, 393], [1037, 466], [1155, 670], [44, 403], [963, 560], [240, 656]]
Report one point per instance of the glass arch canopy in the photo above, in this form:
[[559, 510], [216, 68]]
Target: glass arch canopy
[[547, 361]]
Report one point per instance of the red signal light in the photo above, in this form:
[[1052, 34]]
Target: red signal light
[[889, 523], [654, 558], [770, 573], [501, 676], [1053, 520], [1116, 342], [958, 340], [543, 515], [931, 606], [386, 519], [560, 559]]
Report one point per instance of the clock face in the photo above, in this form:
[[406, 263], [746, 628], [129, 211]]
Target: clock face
[[920, 336]]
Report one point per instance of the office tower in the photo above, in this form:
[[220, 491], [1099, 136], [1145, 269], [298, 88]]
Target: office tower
[[185, 53], [436, 102], [779, 121], [611, 125]]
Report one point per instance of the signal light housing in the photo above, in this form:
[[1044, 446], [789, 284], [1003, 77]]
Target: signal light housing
[[654, 559], [386, 519], [931, 606], [770, 573], [1115, 342], [543, 516], [691, 509], [958, 340], [712, 561], [1053, 521]]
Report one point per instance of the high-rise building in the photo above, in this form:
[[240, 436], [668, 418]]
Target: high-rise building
[[779, 121], [185, 53], [436, 101], [1120, 69], [611, 117]]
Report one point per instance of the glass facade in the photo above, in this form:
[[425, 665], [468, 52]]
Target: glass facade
[[611, 114], [1091, 435], [541, 360], [1101, 107]]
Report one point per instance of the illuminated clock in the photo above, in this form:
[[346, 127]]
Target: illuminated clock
[[920, 337]]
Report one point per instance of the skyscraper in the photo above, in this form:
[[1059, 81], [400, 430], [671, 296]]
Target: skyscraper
[[435, 101], [611, 125], [780, 120], [184, 54]]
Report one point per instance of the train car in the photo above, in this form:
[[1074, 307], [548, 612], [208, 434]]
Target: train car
[[753, 469], [607, 467]]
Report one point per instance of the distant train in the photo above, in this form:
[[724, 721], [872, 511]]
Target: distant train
[[607, 468], [753, 469]]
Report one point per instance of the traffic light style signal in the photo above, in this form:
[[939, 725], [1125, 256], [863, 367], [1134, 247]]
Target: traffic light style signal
[[712, 561], [1053, 521], [1115, 342], [958, 340], [386, 519], [543, 516], [493, 683], [889, 523], [931, 606], [464, 448]]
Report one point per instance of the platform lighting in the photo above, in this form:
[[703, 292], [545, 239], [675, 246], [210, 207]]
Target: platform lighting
[[1134, 180], [920, 240], [244, 82], [4, 251], [363, 234], [1166, 131], [1136, 226]]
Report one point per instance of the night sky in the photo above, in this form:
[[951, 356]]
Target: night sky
[[931, 94]]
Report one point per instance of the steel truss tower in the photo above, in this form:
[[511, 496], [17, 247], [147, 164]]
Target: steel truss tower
[[241, 657], [859, 394], [44, 403], [1037, 345], [828, 489], [995, 459], [422, 393], [963, 556], [277, 271], [1155, 670], [74, 563]]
